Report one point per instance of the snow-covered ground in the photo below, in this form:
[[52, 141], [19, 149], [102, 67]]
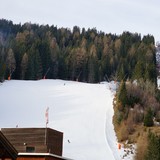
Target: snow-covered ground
[[82, 111]]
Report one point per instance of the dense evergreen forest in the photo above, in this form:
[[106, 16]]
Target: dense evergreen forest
[[33, 51]]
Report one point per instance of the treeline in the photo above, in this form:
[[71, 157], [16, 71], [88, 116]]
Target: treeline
[[33, 51]]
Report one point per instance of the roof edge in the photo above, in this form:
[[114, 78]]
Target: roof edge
[[43, 154]]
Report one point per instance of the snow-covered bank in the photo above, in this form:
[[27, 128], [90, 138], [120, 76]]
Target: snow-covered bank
[[83, 112]]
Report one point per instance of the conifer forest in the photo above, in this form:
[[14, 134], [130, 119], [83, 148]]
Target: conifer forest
[[33, 51]]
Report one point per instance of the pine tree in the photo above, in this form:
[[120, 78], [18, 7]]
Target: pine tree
[[91, 70], [153, 151], [148, 118], [30, 72], [122, 94], [2, 71], [38, 66], [138, 71]]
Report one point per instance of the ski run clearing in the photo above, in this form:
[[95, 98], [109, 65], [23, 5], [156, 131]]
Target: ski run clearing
[[82, 111]]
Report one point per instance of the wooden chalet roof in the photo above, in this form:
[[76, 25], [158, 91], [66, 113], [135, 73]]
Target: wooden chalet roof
[[6, 148]]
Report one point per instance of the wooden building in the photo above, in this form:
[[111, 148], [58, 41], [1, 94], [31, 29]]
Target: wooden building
[[31, 144]]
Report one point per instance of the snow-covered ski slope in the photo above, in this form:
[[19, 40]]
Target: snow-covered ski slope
[[82, 111]]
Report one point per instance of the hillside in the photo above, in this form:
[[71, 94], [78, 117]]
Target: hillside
[[82, 111]]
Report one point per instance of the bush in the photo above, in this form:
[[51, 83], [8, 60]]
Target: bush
[[123, 132], [141, 148]]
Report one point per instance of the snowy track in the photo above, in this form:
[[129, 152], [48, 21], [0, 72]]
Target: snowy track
[[83, 112]]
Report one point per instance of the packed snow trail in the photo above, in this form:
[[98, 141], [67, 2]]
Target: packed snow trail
[[83, 112]]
